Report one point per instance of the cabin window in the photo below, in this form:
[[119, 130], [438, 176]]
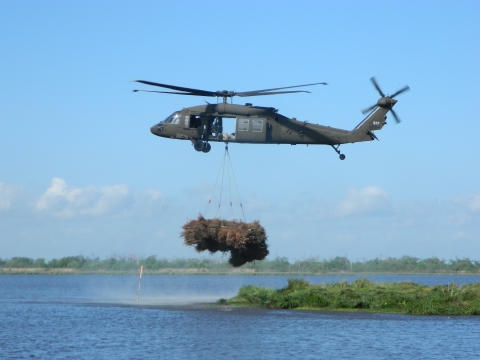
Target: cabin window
[[242, 124], [174, 119], [187, 121], [194, 122], [257, 125]]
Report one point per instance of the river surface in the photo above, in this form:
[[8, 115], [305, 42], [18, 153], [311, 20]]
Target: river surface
[[98, 317]]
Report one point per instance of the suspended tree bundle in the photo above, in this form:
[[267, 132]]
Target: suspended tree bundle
[[245, 241]]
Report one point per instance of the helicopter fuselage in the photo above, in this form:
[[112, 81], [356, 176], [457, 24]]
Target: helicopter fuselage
[[262, 125], [259, 125]]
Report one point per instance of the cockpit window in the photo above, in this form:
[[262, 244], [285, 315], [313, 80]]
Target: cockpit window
[[172, 119]]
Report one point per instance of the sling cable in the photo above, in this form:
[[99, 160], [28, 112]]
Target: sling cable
[[225, 166]]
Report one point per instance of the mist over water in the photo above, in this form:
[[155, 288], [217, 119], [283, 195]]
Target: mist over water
[[161, 290], [97, 316]]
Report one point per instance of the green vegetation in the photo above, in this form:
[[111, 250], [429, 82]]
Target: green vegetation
[[363, 295], [246, 242], [278, 265]]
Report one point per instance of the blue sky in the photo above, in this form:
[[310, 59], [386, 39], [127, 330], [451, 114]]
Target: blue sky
[[80, 172]]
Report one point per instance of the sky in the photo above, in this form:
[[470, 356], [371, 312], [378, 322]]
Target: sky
[[81, 174]]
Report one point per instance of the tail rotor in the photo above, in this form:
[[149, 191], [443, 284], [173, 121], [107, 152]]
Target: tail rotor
[[386, 101]]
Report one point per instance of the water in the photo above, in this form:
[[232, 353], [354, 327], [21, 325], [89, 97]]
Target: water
[[97, 317]]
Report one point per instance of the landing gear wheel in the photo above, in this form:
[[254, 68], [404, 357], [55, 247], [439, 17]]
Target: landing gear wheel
[[207, 147], [342, 157], [199, 145]]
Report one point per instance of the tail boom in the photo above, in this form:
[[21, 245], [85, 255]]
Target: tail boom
[[374, 121]]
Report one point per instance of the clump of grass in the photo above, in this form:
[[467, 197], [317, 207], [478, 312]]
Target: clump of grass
[[362, 294], [245, 241]]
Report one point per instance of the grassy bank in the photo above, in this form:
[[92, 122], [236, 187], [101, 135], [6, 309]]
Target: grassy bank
[[363, 295]]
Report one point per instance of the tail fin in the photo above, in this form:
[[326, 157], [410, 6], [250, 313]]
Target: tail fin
[[374, 121]]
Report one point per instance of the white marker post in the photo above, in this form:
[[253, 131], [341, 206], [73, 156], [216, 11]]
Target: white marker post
[[140, 272], [139, 282]]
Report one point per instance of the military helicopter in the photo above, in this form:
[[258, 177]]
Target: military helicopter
[[263, 125]]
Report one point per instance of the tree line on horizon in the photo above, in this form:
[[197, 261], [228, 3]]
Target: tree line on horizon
[[405, 264]]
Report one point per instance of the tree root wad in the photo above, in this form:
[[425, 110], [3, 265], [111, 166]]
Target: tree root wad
[[245, 241]]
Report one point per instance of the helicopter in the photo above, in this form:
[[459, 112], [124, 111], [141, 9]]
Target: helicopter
[[203, 124]]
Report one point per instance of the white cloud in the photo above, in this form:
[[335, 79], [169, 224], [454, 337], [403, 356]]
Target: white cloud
[[72, 231], [470, 202], [8, 194], [462, 235], [256, 203], [458, 219], [288, 234], [344, 238], [371, 200], [64, 201], [147, 203], [405, 223]]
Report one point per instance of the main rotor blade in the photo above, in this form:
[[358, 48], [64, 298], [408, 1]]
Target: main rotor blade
[[169, 92], [406, 88], [395, 116], [190, 91], [253, 93], [366, 110], [247, 93], [179, 88], [374, 82]]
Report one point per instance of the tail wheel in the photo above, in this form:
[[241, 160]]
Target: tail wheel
[[341, 156]]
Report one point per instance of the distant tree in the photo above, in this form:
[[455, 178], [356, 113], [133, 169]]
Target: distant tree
[[20, 262], [338, 263], [110, 263], [432, 264], [462, 265], [40, 263], [278, 264], [72, 262], [409, 263]]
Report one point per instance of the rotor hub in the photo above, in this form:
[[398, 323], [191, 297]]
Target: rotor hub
[[386, 102], [225, 93]]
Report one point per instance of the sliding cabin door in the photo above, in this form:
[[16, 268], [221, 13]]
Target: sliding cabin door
[[250, 129]]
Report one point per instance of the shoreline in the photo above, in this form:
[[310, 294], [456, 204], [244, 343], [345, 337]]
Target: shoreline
[[199, 271]]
